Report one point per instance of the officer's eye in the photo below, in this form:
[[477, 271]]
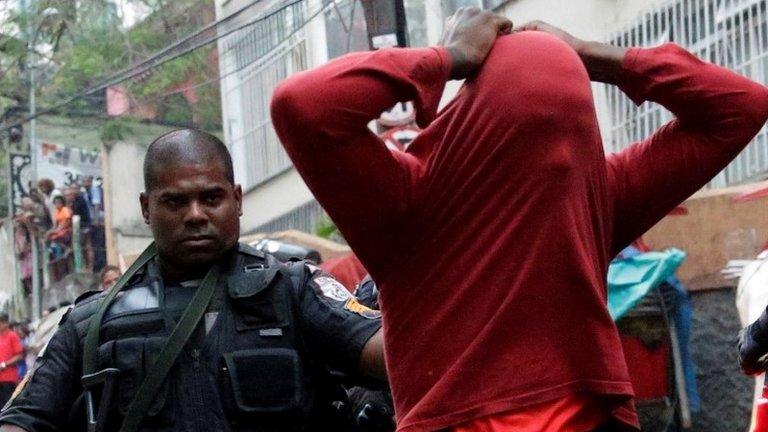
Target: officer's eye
[[172, 200], [212, 198]]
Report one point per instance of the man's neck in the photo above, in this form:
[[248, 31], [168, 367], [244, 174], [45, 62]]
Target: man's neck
[[173, 273]]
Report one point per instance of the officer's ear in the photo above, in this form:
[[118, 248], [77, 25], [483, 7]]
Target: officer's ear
[[237, 191], [144, 201]]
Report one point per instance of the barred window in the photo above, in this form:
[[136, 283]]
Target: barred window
[[731, 33], [260, 56]]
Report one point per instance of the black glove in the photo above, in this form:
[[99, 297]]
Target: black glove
[[753, 346], [367, 293]]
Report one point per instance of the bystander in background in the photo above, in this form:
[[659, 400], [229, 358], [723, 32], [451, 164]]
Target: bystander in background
[[79, 205], [109, 275], [48, 192], [11, 352], [61, 234], [94, 195]]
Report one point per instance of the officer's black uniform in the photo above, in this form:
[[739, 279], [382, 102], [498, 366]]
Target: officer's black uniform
[[258, 361]]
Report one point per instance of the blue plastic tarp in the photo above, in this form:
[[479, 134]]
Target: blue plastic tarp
[[631, 277]]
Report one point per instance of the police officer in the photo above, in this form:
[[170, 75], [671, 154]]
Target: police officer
[[260, 353], [753, 346]]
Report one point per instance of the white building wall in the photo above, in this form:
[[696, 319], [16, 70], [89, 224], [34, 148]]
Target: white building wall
[[731, 33], [123, 183], [245, 105]]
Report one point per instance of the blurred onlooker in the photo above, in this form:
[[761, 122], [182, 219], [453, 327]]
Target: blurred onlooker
[[61, 233], [22, 240], [49, 192], [22, 331], [11, 352], [79, 205], [93, 195], [39, 215], [109, 275], [31, 224]]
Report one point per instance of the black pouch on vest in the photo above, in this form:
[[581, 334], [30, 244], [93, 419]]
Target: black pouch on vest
[[256, 302], [134, 357], [264, 381]]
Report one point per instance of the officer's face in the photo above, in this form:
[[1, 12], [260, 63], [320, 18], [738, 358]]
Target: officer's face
[[193, 211]]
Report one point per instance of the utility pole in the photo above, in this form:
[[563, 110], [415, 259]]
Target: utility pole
[[28, 9], [386, 23], [36, 249]]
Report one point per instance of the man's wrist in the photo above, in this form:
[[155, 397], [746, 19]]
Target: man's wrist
[[459, 63]]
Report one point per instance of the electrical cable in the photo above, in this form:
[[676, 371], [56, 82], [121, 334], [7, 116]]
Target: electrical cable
[[263, 60], [152, 62]]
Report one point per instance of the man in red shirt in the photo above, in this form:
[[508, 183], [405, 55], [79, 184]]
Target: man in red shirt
[[11, 352], [490, 237]]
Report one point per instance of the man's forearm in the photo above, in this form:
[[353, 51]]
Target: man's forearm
[[372, 358], [603, 61], [13, 360], [333, 103]]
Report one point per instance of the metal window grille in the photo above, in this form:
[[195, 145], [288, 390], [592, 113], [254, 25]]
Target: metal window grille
[[731, 33], [303, 218], [260, 56]]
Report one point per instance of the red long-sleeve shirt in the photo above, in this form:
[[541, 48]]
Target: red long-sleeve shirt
[[490, 238]]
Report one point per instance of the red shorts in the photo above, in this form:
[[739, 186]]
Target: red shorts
[[574, 413]]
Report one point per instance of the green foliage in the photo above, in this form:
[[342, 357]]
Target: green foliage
[[78, 43], [325, 228], [115, 130]]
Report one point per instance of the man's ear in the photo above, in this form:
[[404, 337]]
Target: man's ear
[[144, 201], [238, 192]]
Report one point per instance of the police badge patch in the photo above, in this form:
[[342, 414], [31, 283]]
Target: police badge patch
[[332, 289], [356, 307]]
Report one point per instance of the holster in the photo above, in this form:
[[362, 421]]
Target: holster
[[105, 378]]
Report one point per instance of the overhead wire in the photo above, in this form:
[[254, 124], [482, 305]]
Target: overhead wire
[[262, 61], [165, 55]]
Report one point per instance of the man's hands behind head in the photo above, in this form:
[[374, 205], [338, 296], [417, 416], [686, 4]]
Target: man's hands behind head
[[575, 43], [603, 62], [469, 35]]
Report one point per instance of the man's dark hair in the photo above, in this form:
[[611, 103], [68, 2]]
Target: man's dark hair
[[59, 198], [4, 318], [185, 146], [108, 268], [46, 183]]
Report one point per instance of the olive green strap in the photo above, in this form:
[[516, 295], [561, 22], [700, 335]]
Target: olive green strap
[[144, 397], [92, 337]]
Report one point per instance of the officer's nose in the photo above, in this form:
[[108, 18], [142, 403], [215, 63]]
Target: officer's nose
[[196, 214]]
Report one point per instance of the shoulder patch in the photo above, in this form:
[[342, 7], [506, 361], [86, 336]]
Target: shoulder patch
[[331, 288], [356, 307]]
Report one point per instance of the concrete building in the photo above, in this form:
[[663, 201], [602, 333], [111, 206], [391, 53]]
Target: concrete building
[[281, 40]]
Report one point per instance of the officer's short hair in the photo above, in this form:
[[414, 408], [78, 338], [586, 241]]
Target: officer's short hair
[[185, 145]]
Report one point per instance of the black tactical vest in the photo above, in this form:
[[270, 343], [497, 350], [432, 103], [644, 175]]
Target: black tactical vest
[[249, 372]]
